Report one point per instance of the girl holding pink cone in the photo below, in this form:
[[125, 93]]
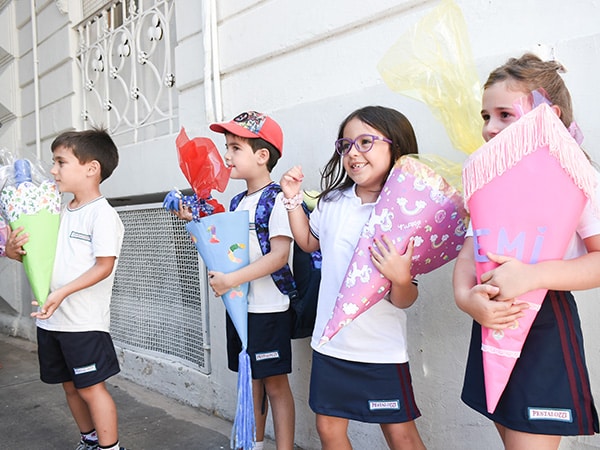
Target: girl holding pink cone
[[363, 373], [548, 393]]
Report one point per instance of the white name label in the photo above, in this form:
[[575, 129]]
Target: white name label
[[86, 369], [267, 355], [81, 236], [384, 404], [561, 415]]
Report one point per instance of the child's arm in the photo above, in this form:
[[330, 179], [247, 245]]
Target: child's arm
[[478, 300], [98, 272], [15, 242], [396, 268], [514, 277], [265, 265], [291, 183]]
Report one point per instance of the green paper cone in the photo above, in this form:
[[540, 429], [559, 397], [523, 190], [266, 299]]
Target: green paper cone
[[42, 228]]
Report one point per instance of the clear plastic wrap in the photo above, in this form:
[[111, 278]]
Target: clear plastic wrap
[[29, 198], [433, 63]]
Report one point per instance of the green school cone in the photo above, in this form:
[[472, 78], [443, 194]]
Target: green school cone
[[34, 205], [38, 262]]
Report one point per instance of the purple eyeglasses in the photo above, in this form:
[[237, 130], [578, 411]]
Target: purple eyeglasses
[[363, 143]]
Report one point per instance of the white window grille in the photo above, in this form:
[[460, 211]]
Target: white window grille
[[126, 61], [159, 303]]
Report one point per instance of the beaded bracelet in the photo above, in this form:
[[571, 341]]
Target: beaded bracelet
[[292, 203]]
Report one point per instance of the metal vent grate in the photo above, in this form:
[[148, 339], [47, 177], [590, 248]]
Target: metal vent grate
[[159, 294]]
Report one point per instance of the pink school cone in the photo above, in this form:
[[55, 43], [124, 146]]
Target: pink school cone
[[415, 202], [525, 190]]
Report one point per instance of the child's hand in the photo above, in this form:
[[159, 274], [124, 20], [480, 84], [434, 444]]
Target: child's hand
[[395, 267], [512, 277], [291, 181], [15, 242], [482, 301], [489, 313], [184, 213], [392, 265], [52, 303], [219, 282]]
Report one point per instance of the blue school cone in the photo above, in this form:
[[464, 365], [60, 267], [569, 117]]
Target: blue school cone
[[222, 241]]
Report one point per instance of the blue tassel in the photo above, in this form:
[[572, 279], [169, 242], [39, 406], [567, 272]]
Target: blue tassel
[[243, 435], [171, 201]]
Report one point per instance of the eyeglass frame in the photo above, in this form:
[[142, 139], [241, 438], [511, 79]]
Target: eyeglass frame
[[354, 143]]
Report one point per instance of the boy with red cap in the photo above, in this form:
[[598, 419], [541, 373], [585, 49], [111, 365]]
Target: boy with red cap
[[254, 144]]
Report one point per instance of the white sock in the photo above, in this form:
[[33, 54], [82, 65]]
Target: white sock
[[259, 445], [114, 447]]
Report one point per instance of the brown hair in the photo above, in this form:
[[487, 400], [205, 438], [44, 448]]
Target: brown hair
[[89, 145], [529, 73], [257, 144], [391, 124]]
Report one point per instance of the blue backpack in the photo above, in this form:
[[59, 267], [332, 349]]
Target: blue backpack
[[302, 286]]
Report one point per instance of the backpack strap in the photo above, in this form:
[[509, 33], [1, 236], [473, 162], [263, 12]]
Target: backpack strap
[[235, 201], [283, 277]]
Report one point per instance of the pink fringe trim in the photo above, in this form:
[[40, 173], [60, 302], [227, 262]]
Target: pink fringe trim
[[538, 128]]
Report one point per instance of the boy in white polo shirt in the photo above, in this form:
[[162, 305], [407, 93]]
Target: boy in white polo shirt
[[74, 344]]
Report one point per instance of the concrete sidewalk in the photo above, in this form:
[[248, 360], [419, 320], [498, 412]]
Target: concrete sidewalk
[[35, 416]]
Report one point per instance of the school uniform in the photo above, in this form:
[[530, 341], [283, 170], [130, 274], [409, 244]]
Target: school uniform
[[363, 372], [74, 344], [269, 315], [548, 391]]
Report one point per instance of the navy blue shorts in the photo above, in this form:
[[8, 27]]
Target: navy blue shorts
[[549, 390], [367, 392], [86, 358], [269, 344]]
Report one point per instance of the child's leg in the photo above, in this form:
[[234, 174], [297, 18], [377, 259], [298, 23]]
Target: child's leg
[[402, 436], [261, 408], [501, 431], [517, 440], [79, 408], [282, 407], [333, 432], [103, 412]]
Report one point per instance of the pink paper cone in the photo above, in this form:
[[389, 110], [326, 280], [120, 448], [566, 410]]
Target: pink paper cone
[[415, 201], [523, 192]]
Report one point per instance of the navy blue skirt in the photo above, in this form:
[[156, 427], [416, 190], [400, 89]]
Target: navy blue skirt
[[367, 392], [549, 389]]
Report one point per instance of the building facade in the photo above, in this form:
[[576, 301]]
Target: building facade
[[146, 68]]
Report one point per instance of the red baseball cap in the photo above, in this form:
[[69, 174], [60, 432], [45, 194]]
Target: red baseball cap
[[252, 125]]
